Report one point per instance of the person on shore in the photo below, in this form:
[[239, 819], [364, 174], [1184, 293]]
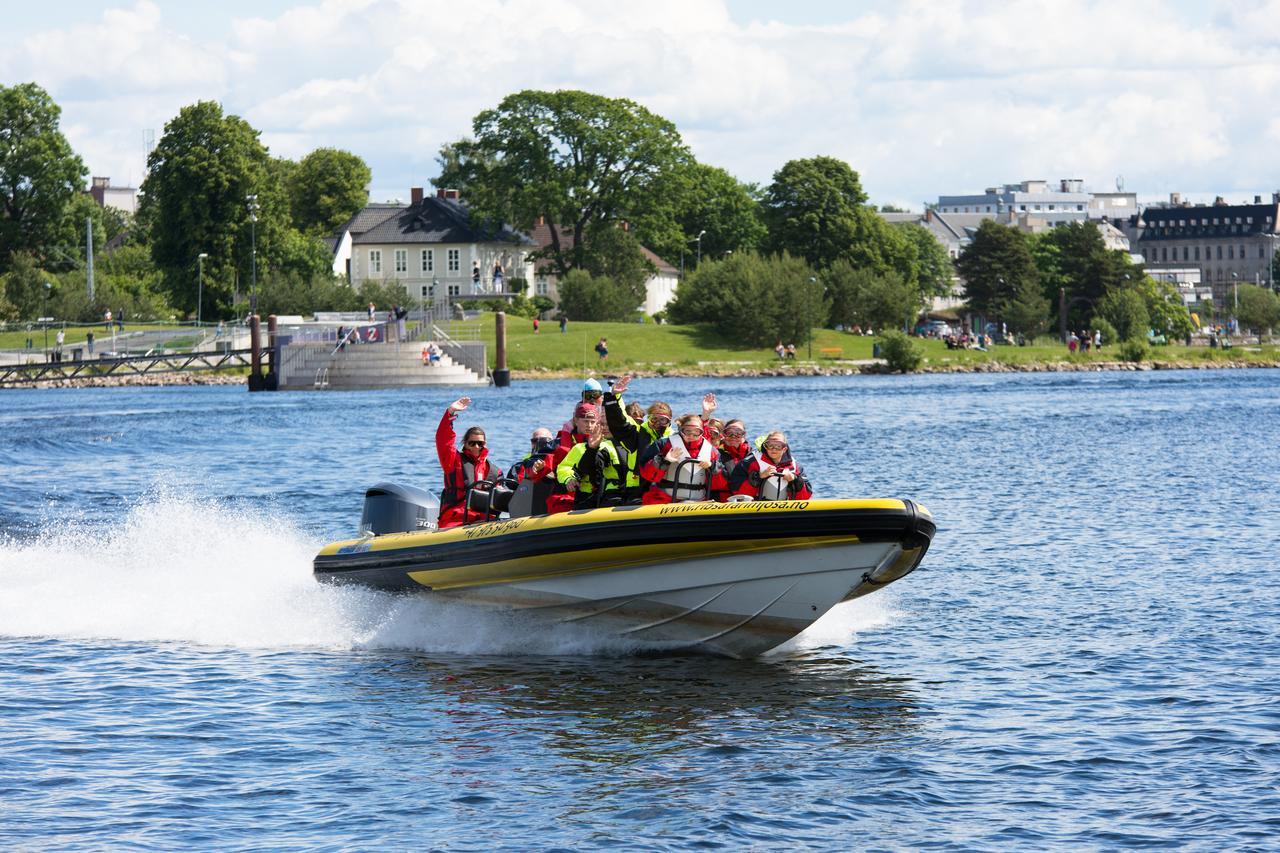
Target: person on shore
[[58, 340], [772, 475], [1097, 339], [602, 349], [681, 468], [462, 470], [106, 319], [1073, 343], [791, 352], [497, 276], [564, 323], [535, 325], [88, 339], [372, 311], [781, 350], [592, 470]]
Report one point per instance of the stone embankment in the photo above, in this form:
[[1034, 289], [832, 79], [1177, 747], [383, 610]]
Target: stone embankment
[[880, 368], [140, 380]]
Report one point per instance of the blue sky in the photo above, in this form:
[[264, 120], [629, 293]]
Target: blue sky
[[921, 98]]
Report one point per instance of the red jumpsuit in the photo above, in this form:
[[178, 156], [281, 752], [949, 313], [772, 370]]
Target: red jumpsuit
[[461, 471]]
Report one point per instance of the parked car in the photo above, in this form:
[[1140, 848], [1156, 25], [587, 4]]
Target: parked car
[[937, 328]]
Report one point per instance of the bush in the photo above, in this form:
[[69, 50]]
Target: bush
[[1134, 350], [903, 354], [1127, 313], [1108, 331]]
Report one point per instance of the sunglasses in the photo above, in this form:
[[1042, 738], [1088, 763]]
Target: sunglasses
[[475, 444], [592, 395]]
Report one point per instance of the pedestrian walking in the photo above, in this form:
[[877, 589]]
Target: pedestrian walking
[[564, 323], [602, 349], [535, 325], [88, 339]]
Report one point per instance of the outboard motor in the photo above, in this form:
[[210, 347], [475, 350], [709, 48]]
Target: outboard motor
[[393, 508]]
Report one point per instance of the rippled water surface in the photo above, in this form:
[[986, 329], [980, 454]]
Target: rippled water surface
[[1088, 657]]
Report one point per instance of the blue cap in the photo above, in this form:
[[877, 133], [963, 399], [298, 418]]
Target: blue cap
[[591, 385]]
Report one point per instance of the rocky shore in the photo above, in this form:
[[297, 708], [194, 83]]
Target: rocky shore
[[880, 368], [142, 380]]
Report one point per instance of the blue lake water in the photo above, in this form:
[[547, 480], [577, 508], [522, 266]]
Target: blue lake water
[[1088, 657]]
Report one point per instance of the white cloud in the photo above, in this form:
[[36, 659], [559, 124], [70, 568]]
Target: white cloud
[[921, 98]]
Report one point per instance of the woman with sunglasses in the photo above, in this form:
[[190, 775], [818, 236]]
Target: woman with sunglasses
[[461, 470], [772, 475], [632, 435], [683, 467]]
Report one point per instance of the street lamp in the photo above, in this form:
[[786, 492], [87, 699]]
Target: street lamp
[[1235, 311], [700, 233], [44, 317], [200, 297], [808, 317], [252, 201]]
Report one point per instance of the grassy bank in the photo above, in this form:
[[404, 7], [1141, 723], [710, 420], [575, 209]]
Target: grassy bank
[[102, 338], [693, 349]]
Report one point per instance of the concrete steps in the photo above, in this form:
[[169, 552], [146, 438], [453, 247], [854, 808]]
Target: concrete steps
[[368, 366]]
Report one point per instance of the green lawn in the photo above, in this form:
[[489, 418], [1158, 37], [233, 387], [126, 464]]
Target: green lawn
[[635, 346]]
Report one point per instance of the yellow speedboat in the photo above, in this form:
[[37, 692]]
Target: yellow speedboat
[[735, 579]]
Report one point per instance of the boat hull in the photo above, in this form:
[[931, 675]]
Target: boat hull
[[734, 580]]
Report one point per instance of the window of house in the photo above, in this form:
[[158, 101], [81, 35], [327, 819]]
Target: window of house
[[1037, 207], [1248, 220], [1079, 207], [1186, 253], [1231, 252], [455, 289], [1051, 207], [375, 261], [455, 261], [1164, 254], [426, 291], [1197, 253], [1242, 251], [1261, 254], [1215, 220], [402, 260], [1024, 207], [542, 288], [1219, 253], [428, 260]]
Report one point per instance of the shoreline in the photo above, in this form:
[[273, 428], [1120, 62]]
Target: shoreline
[[877, 368]]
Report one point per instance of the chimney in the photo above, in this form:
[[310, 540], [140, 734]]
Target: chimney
[[541, 220], [1219, 202], [1257, 199], [451, 194], [439, 193], [1175, 199], [928, 214], [415, 195]]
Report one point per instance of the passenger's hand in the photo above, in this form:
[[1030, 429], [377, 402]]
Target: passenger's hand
[[594, 434], [675, 454], [708, 404], [460, 404], [620, 385], [767, 471], [787, 474], [704, 464], [571, 484], [538, 465]]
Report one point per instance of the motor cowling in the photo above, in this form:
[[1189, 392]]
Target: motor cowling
[[393, 508]]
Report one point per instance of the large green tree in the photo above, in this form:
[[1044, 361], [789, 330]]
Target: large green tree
[[326, 189], [1259, 309], [1126, 311], [579, 159], [935, 271], [39, 173], [869, 299], [707, 201], [1073, 258], [758, 300], [201, 175], [997, 269], [813, 209]]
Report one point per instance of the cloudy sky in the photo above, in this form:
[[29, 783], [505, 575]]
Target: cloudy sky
[[921, 98]]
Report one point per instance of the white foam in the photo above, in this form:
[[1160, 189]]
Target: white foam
[[840, 625], [198, 571]]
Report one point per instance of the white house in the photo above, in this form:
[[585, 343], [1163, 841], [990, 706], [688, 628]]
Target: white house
[[659, 288], [432, 248]]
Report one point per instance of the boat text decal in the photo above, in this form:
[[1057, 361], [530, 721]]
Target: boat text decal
[[492, 528], [755, 506]]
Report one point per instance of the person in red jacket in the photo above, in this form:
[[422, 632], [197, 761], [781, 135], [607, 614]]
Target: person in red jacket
[[772, 475], [584, 415], [682, 467], [734, 448], [461, 470]]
